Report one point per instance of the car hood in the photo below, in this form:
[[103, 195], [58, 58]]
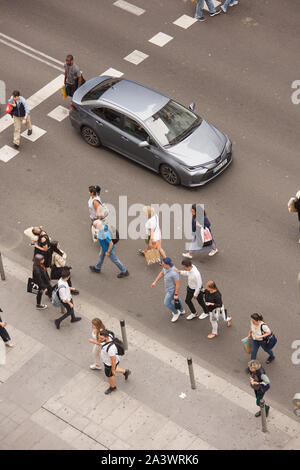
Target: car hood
[[204, 145]]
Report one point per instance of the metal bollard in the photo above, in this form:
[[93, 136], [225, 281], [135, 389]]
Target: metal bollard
[[1, 268], [191, 372], [124, 335], [263, 416]]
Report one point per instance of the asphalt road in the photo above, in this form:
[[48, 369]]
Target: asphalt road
[[238, 68]]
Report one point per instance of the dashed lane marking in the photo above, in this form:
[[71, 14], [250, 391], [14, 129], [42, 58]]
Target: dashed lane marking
[[136, 57], [7, 153], [185, 21], [59, 113], [129, 7], [160, 39], [36, 99], [112, 72], [37, 132]]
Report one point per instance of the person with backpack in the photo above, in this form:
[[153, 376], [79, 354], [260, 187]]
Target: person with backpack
[[262, 337], [41, 278], [63, 291], [110, 351], [260, 383], [294, 206], [107, 244], [97, 327]]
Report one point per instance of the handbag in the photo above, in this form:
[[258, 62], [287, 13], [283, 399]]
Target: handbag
[[291, 205], [206, 236], [247, 344], [8, 108], [32, 287], [152, 256]]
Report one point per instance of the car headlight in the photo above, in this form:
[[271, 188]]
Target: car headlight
[[195, 168]]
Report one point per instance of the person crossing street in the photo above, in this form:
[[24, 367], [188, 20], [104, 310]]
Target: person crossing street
[[21, 115], [194, 288]]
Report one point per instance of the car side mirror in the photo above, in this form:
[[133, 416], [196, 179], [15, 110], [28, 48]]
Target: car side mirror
[[144, 144], [192, 106]]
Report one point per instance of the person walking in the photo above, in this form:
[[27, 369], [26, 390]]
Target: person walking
[[228, 3], [262, 337], [153, 232], [199, 9], [58, 263], [97, 327], [214, 304], [172, 285], [194, 288], [107, 250], [41, 278], [198, 244], [65, 296], [4, 333], [97, 210], [73, 76], [21, 115], [111, 360], [294, 206], [42, 245], [260, 383]]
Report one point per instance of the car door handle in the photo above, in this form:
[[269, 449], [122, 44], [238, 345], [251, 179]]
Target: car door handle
[[100, 123], [124, 138]]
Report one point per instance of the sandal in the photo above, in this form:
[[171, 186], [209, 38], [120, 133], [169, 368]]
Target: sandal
[[211, 336], [229, 322]]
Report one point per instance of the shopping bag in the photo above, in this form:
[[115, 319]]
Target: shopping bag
[[8, 108], [64, 91], [247, 344], [32, 287], [206, 236], [291, 205], [2, 353], [152, 256]]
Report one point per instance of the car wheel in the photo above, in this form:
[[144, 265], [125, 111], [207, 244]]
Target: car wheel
[[90, 136], [169, 175]]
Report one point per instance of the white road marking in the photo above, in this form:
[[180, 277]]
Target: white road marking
[[160, 39], [185, 21], [37, 132], [215, 2], [129, 7], [36, 99], [136, 57], [7, 153], [59, 113], [112, 73]]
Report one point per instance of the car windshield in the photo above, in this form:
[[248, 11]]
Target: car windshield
[[172, 123], [98, 90]]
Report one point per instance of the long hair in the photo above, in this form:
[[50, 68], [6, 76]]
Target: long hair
[[99, 325], [54, 249]]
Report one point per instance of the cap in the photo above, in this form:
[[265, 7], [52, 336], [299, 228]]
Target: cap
[[168, 261]]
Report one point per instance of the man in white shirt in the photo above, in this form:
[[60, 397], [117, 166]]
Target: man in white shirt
[[194, 287], [110, 358], [65, 296]]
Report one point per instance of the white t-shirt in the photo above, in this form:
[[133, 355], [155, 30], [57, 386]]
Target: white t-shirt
[[257, 330], [153, 223], [64, 291], [106, 355]]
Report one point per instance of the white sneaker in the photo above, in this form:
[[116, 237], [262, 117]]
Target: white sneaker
[[213, 252], [9, 344], [234, 3], [191, 316], [203, 315], [182, 313], [223, 9], [175, 317], [95, 367], [187, 255]]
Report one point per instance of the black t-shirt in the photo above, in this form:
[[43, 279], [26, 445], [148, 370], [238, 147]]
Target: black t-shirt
[[45, 254], [213, 297], [297, 206]]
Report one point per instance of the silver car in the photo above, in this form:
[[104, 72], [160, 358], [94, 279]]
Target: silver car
[[151, 129]]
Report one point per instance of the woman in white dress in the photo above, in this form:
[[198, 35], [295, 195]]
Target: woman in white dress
[[153, 232]]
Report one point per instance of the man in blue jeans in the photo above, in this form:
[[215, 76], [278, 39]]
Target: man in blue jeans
[[172, 284], [199, 7], [107, 250]]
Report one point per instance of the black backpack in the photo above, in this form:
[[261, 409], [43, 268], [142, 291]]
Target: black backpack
[[119, 345]]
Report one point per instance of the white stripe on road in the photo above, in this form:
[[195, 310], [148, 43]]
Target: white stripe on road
[[136, 57], [112, 72], [7, 153], [129, 7], [36, 99], [37, 132], [32, 55], [139, 340], [185, 21], [31, 49], [160, 39], [59, 113]]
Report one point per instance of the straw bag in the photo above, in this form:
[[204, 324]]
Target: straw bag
[[152, 256]]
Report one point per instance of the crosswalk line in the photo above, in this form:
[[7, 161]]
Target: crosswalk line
[[129, 7], [185, 21], [112, 72], [7, 153], [59, 113], [37, 132], [160, 39], [136, 57]]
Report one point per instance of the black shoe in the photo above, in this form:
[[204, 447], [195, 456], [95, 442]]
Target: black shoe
[[57, 324], [94, 270], [258, 414], [270, 359], [16, 146], [123, 274], [267, 411], [75, 319], [29, 132], [110, 390], [127, 373], [201, 19], [75, 292], [217, 12]]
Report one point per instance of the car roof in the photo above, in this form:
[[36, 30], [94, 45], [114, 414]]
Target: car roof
[[134, 98]]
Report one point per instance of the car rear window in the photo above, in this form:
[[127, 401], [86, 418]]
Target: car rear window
[[98, 90]]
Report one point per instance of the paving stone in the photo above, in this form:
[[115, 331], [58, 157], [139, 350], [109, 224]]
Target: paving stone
[[7, 427], [51, 442], [49, 421], [106, 438], [80, 422], [120, 445], [19, 415]]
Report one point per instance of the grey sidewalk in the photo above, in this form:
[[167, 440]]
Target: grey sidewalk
[[49, 399]]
